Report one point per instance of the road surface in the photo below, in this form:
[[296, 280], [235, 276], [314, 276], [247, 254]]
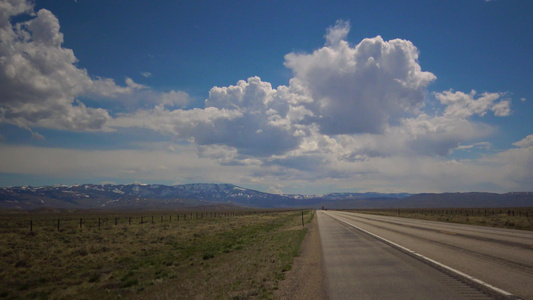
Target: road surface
[[378, 257]]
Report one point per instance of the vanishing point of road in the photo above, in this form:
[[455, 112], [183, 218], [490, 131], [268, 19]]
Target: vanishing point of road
[[378, 257]]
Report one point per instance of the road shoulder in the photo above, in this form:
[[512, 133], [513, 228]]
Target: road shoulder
[[306, 278]]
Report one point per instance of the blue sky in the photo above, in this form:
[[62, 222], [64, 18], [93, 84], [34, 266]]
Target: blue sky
[[281, 96]]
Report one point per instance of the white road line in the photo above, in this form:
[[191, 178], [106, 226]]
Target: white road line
[[457, 272]]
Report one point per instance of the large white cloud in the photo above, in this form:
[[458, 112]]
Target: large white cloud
[[38, 79], [360, 89], [345, 102], [39, 82], [249, 116], [338, 89]]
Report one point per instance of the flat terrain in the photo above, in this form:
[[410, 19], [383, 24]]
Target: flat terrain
[[511, 217], [358, 264], [224, 255]]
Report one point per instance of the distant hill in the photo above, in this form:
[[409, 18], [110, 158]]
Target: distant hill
[[443, 200], [156, 196]]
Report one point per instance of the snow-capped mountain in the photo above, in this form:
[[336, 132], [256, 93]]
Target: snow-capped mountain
[[157, 196], [117, 196]]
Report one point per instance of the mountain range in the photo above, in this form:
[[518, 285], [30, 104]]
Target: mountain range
[[157, 196]]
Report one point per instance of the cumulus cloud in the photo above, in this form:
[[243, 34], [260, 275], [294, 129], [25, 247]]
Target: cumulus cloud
[[462, 105], [338, 89], [338, 33], [12, 8], [360, 89], [39, 81], [354, 101], [344, 103], [248, 116]]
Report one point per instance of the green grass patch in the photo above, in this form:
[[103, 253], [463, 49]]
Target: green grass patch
[[228, 256]]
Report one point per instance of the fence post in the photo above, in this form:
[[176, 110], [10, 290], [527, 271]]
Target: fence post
[[302, 218], [80, 222], [57, 224], [31, 225], [98, 223]]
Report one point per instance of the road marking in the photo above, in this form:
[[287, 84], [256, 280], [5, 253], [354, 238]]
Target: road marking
[[450, 269]]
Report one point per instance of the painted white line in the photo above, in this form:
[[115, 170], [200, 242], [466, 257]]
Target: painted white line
[[457, 272]]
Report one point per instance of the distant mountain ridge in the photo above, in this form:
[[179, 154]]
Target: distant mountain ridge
[[157, 196]]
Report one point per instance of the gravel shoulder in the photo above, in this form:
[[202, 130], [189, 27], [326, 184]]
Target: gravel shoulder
[[306, 278]]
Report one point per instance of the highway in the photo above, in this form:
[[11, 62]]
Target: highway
[[378, 257]]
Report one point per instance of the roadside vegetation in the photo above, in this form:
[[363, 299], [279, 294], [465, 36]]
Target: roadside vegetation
[[229, 255], [514, 218]]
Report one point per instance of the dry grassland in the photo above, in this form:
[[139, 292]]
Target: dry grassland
[[514, 218], [240, 256]]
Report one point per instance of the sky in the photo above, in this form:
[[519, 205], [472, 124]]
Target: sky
[[303, 97]]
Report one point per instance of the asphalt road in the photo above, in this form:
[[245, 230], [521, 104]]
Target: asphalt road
[[377, 257]]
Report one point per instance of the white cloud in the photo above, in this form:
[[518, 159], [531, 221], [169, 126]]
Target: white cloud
[[513, 168], [508, 170], [459, 104], [275, 189], [37, 136], [39, 81], [178, 122], [249, 116], [146, 74], [360, 89], [181, 166], [12, 8], [338, 33], [483, 145], [337, 89], [349, 102], [527, 142]]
